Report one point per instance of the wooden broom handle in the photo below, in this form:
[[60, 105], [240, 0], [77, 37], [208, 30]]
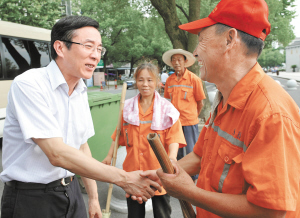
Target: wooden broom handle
[[167, 167], [119, 125]]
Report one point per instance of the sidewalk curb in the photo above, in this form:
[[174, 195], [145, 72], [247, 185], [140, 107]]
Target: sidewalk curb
[[284, 78]]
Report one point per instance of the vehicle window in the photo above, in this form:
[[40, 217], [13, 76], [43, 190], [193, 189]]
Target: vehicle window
[[1, 74], [39, 52], [21, 55], [16, 56]]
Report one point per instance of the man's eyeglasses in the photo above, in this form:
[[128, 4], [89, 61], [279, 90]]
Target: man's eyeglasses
[[89, 47]]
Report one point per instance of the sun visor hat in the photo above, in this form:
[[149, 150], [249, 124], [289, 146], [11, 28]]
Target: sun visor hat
[[249, 16], [168, 55]]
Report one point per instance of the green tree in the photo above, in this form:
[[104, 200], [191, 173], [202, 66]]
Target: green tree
[[143, 40], [271, 57], [39, 13], [281, 14], [127, 34], [171, 12], [114, 17]]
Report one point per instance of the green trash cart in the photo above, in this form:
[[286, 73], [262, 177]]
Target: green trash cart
[[105, 110]]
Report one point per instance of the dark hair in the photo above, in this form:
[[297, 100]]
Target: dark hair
[[65, 29], [253, 44], [152, 68]]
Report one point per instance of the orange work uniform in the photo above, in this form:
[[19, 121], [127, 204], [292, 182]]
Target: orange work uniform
[[140, 155], [184, 95], [252, 146]]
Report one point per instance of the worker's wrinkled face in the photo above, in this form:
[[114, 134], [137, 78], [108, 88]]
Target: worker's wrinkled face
[[208, 54], [146, 83]]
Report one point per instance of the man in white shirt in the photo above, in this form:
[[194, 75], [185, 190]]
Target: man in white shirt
[[164, 76], [46, 130]]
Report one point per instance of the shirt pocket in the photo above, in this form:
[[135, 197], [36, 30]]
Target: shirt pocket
[[128, 135], [187, 94], [227, 175]]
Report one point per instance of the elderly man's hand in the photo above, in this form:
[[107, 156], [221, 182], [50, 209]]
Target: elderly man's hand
[[178, 184], [150, 174], [140, 186]]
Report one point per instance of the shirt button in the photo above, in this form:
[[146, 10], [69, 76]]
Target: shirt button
[[142, 135], [226, 159], [141, 154], [209, 157]]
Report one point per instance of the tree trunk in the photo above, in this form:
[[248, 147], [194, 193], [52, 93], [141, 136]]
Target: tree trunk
[[180, 38], [131, 66], [194, 14], [105, 62], [167, 10]]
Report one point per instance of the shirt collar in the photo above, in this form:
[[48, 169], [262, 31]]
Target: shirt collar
[[185, 75], [57, 78], [245, 87], [149, 110]]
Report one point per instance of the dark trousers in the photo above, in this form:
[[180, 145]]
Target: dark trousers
[[161, 207], [57, 202], [191, 134]]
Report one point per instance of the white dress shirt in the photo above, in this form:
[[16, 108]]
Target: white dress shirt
[[39, 107]]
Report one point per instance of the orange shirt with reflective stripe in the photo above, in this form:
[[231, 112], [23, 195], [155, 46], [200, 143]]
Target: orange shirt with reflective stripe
[[140, 155], [253, 146], [184, 95]]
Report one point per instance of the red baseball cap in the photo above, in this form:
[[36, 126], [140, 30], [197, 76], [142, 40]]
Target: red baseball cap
[[249, 16]]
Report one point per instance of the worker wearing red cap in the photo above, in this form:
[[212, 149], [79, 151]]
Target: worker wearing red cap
[[248, 153]]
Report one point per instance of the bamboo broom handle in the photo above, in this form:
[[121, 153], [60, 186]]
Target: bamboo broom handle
[[124, 88], [167, 167]]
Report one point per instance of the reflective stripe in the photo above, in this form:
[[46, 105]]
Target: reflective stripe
[[127, 138], [180, 86], [171, 96], [144, 122], [223, 176], [141, 122], [185, 95], [229, 137]]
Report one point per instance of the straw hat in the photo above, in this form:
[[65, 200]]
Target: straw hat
[[168, 54]]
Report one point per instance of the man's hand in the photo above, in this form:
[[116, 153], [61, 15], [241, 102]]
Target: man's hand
[[94, 209], [151, 174], [139, 186], [175, 183]]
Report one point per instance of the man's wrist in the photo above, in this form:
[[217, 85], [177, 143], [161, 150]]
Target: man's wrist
[[93, 196], [121, 179]]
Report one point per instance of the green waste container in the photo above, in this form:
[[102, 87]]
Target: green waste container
[[105, 111]]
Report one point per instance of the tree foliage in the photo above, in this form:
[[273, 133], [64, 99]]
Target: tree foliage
[[271, 57], [39, 13], [128, 35]]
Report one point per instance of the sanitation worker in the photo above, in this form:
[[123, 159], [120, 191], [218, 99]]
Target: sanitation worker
[[147, 113], [248, 153]]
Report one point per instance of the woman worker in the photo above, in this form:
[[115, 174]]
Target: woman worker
[[147, 113]]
